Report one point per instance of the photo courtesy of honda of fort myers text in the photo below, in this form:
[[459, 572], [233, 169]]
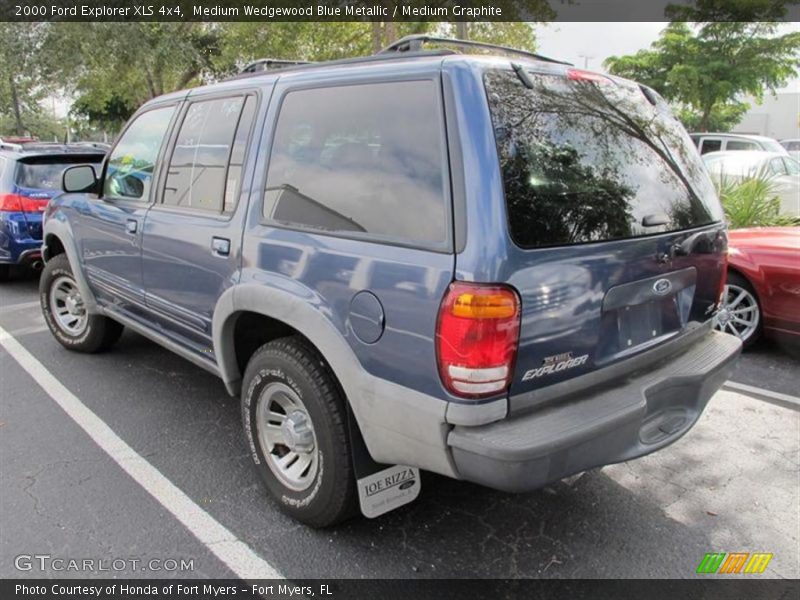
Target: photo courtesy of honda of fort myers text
[[432, 299]]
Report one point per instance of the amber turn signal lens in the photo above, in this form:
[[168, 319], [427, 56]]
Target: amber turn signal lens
[[484, 306]]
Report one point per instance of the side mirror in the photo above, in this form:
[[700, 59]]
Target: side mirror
[[80, 178]]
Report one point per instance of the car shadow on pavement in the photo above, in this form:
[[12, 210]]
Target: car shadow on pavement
[[180, 418]]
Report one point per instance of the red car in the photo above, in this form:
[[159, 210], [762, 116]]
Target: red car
[[763, 291]]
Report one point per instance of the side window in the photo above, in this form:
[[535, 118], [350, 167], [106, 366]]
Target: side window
[[792, 166], [205, 168], [740, 145], [776, 167], [710, 145], [132, 162], [361, 159]]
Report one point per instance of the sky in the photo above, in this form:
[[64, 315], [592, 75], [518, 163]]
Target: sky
[[580, 43]]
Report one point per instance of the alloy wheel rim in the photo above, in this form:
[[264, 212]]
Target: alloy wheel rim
[[67, 306], [286, 436], [739, 314]]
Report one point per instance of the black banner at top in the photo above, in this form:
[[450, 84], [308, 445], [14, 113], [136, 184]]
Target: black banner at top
[[398, 10]]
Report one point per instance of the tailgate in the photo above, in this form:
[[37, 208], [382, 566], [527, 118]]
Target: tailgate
[[618, 241]]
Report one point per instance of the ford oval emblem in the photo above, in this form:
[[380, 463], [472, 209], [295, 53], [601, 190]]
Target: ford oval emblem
[[406, 484], [662, 286]]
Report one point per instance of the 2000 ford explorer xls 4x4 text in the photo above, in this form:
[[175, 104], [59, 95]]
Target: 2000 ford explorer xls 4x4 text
[[497, 268]]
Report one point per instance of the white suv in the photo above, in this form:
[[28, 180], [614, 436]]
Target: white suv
[[716, 142]]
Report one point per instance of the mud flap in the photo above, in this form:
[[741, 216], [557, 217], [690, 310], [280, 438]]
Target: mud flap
[[381, 488]]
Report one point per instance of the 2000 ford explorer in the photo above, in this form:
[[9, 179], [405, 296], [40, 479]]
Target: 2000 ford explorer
[[497, 268]]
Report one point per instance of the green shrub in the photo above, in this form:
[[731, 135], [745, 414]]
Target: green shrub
[[751, 201]]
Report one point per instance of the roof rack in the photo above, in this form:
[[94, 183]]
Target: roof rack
[[346, 61], [268, 64], [414, 43], [58, 147]]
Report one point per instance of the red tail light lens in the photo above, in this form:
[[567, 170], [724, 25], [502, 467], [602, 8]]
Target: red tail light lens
[[20, 203], [476, 339], [11, 202]]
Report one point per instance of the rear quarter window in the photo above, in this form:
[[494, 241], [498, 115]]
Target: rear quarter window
[[586, 162], [364, 160]]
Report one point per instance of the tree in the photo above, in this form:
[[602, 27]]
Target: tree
[[513, 34], [21, 87], [706, 69], [115, 67]]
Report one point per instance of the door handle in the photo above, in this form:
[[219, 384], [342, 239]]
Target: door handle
[[131, 225], [220, 246]]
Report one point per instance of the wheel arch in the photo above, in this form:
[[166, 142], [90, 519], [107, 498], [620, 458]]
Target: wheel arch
[[245, 307], [58, 239]]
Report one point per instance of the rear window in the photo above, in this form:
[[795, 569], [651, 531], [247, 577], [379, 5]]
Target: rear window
[[586, 162], [44, 172]]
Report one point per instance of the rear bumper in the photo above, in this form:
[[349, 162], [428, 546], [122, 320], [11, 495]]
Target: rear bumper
[[20, 239], [648, 411]]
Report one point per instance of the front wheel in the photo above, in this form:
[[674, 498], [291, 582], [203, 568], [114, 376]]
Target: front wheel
[[295, 422], [65, 312], [740, 314]]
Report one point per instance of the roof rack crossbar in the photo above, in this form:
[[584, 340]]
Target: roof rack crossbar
[[414, 43]]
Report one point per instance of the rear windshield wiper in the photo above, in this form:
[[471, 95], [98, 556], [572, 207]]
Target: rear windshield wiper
[[523, 75]]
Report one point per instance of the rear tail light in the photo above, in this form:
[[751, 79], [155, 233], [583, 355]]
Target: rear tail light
[[476, 339], [20, 203]]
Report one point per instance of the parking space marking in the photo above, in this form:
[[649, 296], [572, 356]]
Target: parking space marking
[[234, 553], [21, 306], [776, 398]]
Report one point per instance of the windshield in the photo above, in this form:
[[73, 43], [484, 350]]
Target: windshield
[[44, 173], [773, 146], [584, 161]]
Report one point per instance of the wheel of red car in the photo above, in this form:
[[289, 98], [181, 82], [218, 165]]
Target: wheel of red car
[[66, 315], [740, 314]]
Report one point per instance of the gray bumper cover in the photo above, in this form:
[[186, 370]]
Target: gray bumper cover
[[645, 412]]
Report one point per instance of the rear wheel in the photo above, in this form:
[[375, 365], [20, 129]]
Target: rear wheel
[[740, 314], [4, 272], [295, 422], [65, 312]]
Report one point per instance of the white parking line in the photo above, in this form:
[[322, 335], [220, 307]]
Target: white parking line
[[20, 306], [237, 555], [784, 400]]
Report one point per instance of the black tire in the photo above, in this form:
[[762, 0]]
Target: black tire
[[5, 271], [749, 339], [99, 334], [290, 364]]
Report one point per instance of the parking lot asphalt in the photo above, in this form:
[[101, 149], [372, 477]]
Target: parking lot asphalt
[[731, 484]]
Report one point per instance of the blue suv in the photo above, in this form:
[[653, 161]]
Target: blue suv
[[498, 268], [30, 175]]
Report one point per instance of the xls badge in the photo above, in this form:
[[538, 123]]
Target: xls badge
[[556, 364]]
